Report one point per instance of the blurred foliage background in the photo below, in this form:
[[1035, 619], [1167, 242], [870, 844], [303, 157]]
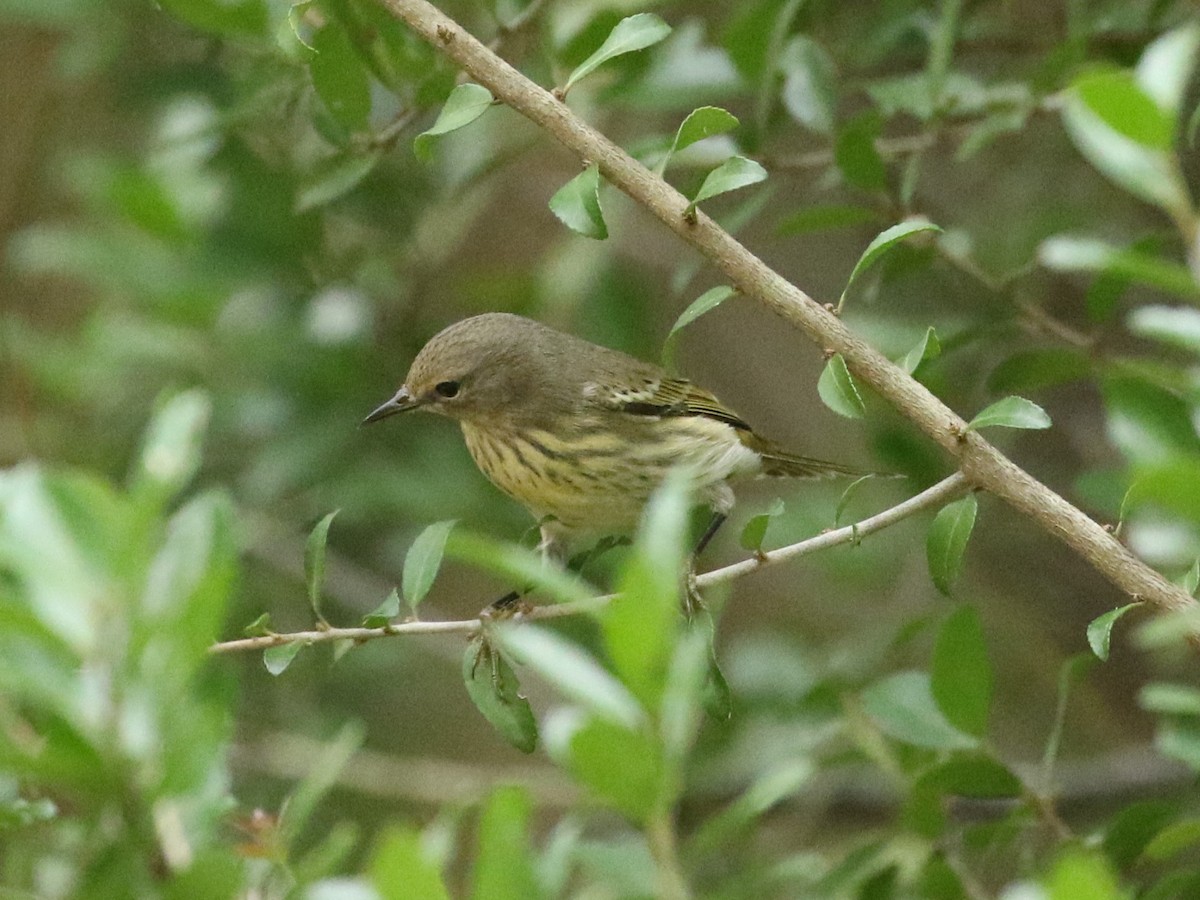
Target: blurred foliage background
[[220, 252]]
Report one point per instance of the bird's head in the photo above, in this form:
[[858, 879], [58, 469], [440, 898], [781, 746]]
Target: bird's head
[[483, 369]]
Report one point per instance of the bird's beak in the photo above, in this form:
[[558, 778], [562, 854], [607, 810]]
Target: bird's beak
[[402, 402]]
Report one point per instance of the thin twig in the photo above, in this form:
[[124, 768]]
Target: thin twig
[[941, 493], [983, 465]]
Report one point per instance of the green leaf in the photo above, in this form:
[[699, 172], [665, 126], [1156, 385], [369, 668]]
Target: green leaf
[[384, 612], [755, 530], [423, 560], [847, 495], [1032, 370], [335, 177], [971, 775], [518, 564], [688, 677], [1173, 325], [778, 782], [1067, 253], [961, 675], [572, 671], [1127, 834], [825, 217], [223, 17], [1148, 172], [260, 627], [809, 84], [401, 868], [902, 706], [701, 123], [190, 577], [504, 867], [171, 450], [466, 103], [1082, 874], [884, 242], [929, 347], [736, 172], [577, 204], [1148, 423], [279, 657], [339, 77], [1011, 412], [947, 541], [1191, 579], [1115, 97], [314, 563], [1164, 66], [1169, 699], [621, 766], [1173, 840], [630, 34], [856, 157], [641, 624], [706, 302], [838, 390], [324, 766], [1099, 630], [493, 687]]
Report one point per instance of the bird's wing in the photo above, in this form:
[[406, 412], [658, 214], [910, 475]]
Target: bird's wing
[[663, 397]]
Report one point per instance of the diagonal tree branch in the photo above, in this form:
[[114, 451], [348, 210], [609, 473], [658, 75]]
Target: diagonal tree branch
[[931, 498], [983, 465]]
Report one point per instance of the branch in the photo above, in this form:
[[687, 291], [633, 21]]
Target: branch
[[940, 494], [983, 465]]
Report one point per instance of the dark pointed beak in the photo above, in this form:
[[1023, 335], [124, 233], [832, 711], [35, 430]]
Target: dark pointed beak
[[402, 402]]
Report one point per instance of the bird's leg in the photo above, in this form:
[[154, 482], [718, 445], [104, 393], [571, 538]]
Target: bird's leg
[[513, 603], [714, 525], [692, 601]]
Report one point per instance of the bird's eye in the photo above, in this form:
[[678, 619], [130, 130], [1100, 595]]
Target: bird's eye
[[447, 389]]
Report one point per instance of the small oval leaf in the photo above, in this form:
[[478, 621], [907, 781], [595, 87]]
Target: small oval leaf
[[339, 77], [903, 707], [1011, 412], [883, 242], [927, 348], [493, 687], [961, 675], [706, 302], [314, 563], [577, 204], [702, 123], [736, 172], [947, 541], [384, 612], [423, 560], [755, 530], [466, 103], [279, 657], [334, 177], [809, 84], [838, 391], [260, 627], [1099, 630], [632, 33]]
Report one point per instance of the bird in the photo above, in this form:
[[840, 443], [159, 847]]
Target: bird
[[581, 435]]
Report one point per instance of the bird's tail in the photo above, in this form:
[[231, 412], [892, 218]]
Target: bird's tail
[[779, 463]]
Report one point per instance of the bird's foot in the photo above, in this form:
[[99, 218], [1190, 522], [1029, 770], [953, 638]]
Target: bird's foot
[[512, 605], [693, 603]]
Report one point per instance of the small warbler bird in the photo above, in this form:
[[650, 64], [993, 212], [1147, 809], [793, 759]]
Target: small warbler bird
[[579, 434]]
